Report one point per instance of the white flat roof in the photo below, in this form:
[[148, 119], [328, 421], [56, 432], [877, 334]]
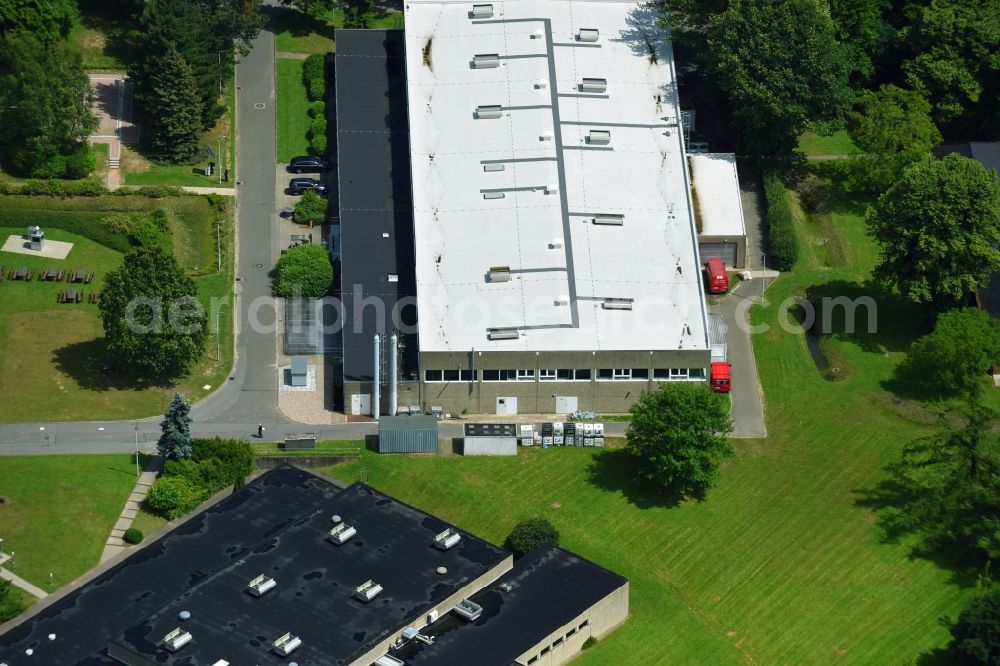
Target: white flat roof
[[554, 180], [717, 192]]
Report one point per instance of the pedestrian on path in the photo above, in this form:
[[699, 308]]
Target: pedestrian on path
[[225, 175], [260, 431]]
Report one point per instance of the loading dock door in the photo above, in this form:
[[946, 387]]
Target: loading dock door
[[361, 404], [718, 250]]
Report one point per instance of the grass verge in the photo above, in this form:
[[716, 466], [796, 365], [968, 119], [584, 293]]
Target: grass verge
[[293, 104], [60, 511], [296, 32], [838, 143]]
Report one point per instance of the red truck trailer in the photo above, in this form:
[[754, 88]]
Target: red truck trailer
[[721, 378]]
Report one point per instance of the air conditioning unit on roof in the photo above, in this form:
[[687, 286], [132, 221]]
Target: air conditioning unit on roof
[[341, 533], [260, 585], [177, 639], [447, 539]]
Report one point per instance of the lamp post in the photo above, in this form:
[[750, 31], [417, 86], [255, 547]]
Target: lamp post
[[763, 267], [137, 448]]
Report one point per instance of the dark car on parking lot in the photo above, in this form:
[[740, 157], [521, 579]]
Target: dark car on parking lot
[[301, 185], [305, 163]]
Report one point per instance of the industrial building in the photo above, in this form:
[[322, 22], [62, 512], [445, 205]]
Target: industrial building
[[294, 569], [553, 240]]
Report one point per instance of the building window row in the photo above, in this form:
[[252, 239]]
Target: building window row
[[565, 375], [557, 642]]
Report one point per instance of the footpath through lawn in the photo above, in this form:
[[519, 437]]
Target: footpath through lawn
[[783, 564]]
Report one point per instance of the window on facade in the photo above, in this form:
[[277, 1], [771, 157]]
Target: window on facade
[[468, 375], [547, 374], [545, 651], [565, 375], [678, 373], [432, 375], [604, 373], [451, 375], [533, 660], [583, 624], [508, 375], [583, 374], [570, 632], [696, 373], [661, 373], [557, 642], [640, 373], [622, 373], [491, 375], [525, 375]]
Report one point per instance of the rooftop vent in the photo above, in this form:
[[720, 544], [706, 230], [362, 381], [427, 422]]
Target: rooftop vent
[[502, 334], [545, 136], [367, 591], [562, 299], [506, 587], [481, 11], [538, 33], [556, 243], [594, 85], [494, 167], [499, 273], [486, 60], [612, 219], [335, 518], [260, 585], [541, 84], [493, 195], [341, 533], [617, 303], [409, 633], [447, 539], [588, 34], [393, 277], [221, 662], [287, 644], [177, 639], [468, 609], [552, 188], [599, 137], [489, 111]]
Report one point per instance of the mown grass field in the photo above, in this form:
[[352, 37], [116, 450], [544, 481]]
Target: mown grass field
[[296, 32], [293, 104], [784, 563], [53, 353], [60, 511], [100, 37]]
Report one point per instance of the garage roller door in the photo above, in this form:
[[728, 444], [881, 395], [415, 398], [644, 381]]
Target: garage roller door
[[724, 251]]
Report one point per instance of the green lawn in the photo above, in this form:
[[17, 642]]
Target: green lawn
[[60, 511], [138, 170], [784, 563], [296, 32], [838, 143], [292, 119], [53, 352], [99, 36]]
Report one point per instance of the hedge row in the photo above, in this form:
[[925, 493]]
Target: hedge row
[[83, 223], [91, 187], [314, 76], [783, 250]]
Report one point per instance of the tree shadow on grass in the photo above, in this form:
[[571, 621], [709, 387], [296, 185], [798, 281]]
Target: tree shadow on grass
[[296, 23], [85, 362], [614, 470], [936, 657], [964, 566]]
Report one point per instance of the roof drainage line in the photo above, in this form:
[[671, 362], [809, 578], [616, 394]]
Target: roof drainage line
[[526, 188], [553, 269], [589, 148], [587, 95], [514, 160], [577, 45], [638, 125]]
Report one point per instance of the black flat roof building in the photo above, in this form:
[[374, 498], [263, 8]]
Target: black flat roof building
[[347, 576], [376, 218]]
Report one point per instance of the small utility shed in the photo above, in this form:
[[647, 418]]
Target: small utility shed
[[718, 209], [717, 337], [408, 434], [490, 439]]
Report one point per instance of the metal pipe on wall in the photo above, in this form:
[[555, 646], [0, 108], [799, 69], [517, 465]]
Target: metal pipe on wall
[[377, 381], [393, 364]]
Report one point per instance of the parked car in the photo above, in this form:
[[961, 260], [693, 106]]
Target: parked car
[[301, 185], [304, 163], [721, 378], [716, 277]]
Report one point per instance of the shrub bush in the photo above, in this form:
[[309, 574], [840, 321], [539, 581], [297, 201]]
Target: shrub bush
[[317, 110], [133, 536], [214, 464], [81, 162], [317, 135], [783, 250], [314, 76], [530, 534], [311, 207], [303, 272], [152, 191], [60, 188], [173, 496], [589, 643]]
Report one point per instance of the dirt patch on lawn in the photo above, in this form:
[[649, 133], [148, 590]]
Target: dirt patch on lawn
[[133, 162]]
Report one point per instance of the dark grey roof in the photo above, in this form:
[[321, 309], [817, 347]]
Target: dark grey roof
[[490, 430], [414, 422], [373, 163], [986, 153], [278, 526], [549, 587]]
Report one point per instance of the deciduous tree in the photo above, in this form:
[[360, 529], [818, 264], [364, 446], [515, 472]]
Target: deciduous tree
[[47, 21], [956, 355], [153, 322], [893, 128], [530, 534], [678, 437], [976, 633], [782, 69], [304, 271], [939, 229]]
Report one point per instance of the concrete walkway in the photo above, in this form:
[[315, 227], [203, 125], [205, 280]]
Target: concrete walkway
[[115, 544], [20, 582], [289, 55], [224, 191]]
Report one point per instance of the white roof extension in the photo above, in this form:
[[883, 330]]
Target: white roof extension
[[717, 191], [525, 189]]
